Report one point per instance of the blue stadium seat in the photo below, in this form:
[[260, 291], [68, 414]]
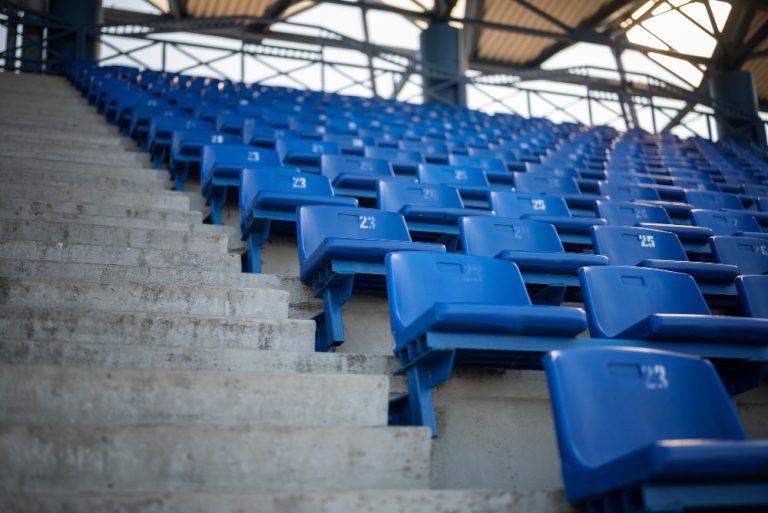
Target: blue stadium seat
[[659, 433], [269, 197], [642, 194], [141, 118], [495, 169], [160, 135], [231, 122], [356, 176], [625, 302], [762, 204], [342, 126], [304, 153], [349, 144], [431, 211], [643, 247], [573, 231], [256, 134], [187, 152], [434, 152], [728, 223], [535, 248], [222, 165], [755, 189], [753, 294], [471, 182], [564, 187], [448, 309], [713, 200], [749, 254], [404, 162], [306, 130], [343, 248], [627, 213]]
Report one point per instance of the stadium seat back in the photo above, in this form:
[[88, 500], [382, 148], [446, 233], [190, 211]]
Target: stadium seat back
[[280, 179], [235, 157], [633, 398], [753, 294], [332, 166], [540, 183], [416, 281], [749, 254], [627, 192], [618, 297], [517, 205], [452, 175], [316, 223], [626, 245], [487, 236], [485, 163], [725, 223], [394, 195], [626, 213], [713, 200]]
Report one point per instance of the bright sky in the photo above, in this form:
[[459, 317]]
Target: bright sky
[[677, 25]]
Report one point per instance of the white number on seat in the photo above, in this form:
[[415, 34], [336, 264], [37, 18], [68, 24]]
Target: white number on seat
[[217, 139], [538, 204], [460, 174], [298, 182], [647, 241], [254, 156], [655, 377], [367, 223]]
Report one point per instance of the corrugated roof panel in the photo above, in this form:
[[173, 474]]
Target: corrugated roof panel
[[516, 48], [210, 8]]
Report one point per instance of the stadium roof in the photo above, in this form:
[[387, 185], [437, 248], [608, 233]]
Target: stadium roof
[[525, 33]]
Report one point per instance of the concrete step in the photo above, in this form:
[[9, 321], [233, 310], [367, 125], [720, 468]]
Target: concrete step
[[55, 136], [93, 254], [73, 233], [369, 501], [302, 302], [29, 209], [123, 158], [48, 395], [25, 124], [150, 356], [28, 143], [49, 178], [51, 116], [143, 330], [38, 163], [93, 196], [139, 297], [246, 459], [233, 234]]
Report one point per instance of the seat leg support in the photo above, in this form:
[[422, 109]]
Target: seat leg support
[[180, 174], [418, 407], [254, 240], [217, 200], [329, 327]]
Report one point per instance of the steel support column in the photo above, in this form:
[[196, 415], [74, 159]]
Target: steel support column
[[736, 88], [10, 42], [441, 48], [81, 14]]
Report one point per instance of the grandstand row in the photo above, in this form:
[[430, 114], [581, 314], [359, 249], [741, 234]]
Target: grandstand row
[[230, 297]]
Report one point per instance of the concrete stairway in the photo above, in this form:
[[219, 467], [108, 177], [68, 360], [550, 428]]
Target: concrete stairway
[[141, 371]]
